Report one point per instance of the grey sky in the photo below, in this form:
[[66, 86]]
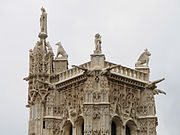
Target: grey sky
[[127, 28]]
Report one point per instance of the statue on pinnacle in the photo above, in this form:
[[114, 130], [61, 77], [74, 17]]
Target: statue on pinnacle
[[97, 44], [143, 59], [43, 24]]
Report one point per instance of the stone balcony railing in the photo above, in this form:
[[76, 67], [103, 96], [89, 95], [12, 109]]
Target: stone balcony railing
[[73, 72], [120, 70], [128, 72]]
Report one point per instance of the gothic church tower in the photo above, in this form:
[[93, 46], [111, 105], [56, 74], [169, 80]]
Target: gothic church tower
[[94, 98]]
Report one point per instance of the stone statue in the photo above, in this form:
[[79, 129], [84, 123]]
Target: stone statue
[[61, 51], [43, 21], [143, 59], [97, 43]]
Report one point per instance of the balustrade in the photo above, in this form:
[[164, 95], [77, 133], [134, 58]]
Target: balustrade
[[124, 71], [128, 72]]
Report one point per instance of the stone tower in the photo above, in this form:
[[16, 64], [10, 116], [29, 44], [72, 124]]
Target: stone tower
[[94, 98]]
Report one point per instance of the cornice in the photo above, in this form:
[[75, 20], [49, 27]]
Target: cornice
[[70, 81], [127, 80]]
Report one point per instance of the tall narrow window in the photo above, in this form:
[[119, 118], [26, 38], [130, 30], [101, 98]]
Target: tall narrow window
[[82, 128], [44, 124], [79, 126], [113, 128], [128, 131], [71, 130]]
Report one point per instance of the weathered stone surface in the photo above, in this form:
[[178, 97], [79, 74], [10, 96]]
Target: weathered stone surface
[[95, 98]]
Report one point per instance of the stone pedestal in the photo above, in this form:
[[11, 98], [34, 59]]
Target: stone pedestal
[[97, 61], [145, 70], [60, 65]]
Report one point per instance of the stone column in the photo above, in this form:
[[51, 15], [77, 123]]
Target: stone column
[[97, 61], [96, 105]]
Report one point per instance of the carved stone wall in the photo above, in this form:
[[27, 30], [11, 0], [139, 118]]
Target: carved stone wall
[[89, 98], [98, 100], [124, 100]]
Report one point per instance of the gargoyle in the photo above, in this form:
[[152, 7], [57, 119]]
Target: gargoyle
[[26, 78], [86, 71], [107, 69], [153, 87], [157, 91], [49, 84]]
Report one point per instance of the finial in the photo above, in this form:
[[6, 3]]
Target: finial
[[143, 59], [98, 42], [43, 24]]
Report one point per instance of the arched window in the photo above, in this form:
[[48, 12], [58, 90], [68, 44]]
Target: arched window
[[82, 128], [113, 128], [131, 128], [71, 130], [68, 128], [79, 126], [128, 131], [116, 126]]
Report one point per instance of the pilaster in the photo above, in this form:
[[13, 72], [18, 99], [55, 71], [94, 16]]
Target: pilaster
[[145, 70], [60, 65], [97, 61]]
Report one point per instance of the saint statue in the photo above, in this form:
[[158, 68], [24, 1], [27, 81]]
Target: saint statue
[[43, 21], [97, 43]]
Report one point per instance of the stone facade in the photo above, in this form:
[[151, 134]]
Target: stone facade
[[94, 98]]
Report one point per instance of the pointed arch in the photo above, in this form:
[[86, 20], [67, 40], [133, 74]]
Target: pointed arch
[[67, 128], [116, 125], [79, 125], [130, 127]]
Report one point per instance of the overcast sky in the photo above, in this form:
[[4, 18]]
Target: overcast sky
[[127, 28]]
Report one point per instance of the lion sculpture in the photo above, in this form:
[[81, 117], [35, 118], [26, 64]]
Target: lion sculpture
[[61, 51], [143, 59]]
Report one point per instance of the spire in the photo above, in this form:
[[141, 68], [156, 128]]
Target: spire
[[43, 24]]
